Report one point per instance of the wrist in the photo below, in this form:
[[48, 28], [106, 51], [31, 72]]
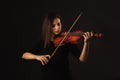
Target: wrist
[[86, 42], [35, 57]]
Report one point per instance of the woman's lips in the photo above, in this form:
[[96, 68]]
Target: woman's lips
[[57, 31]]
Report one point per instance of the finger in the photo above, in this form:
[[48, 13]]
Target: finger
[[87, 34], [84, 36], [48, 56], [91, 33], [45, 60], [42, 62]]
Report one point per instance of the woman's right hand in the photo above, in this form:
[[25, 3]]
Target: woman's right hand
[[44, 59]]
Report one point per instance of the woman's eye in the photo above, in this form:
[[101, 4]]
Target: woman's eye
[[58, 24], [53, 26]]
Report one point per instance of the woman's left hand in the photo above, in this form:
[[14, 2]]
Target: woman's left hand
[[87, 36]]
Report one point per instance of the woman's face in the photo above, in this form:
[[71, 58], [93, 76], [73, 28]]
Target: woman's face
[[56, 28]]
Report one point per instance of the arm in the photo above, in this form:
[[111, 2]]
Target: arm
[[28, 55], [85, 49], [42, 58]]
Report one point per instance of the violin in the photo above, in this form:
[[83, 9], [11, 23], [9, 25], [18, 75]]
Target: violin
[[73, 37]]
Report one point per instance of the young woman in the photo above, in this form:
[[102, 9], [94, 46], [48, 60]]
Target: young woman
[[57, 66]]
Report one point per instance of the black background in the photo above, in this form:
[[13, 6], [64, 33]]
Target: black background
[[20, 29]]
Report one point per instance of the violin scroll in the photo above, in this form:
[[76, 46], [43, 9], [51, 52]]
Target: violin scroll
[[98, 35]]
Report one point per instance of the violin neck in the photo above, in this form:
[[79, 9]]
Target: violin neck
[[76, 34]]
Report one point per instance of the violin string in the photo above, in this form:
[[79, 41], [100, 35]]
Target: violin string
[[66, 35]]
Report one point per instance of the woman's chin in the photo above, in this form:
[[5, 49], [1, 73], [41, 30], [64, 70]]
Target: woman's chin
[[56, 33]]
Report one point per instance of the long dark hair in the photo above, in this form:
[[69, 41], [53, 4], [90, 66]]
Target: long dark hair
[[46, 28]]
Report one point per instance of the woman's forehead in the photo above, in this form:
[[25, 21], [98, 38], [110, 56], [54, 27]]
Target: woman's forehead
[[56, 20]]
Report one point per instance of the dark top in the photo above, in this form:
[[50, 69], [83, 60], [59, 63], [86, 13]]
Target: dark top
[[58, 66]]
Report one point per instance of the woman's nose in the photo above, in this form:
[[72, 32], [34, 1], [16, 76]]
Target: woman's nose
[[56, 27]]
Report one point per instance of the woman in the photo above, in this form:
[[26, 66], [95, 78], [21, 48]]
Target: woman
[[56, 67]]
